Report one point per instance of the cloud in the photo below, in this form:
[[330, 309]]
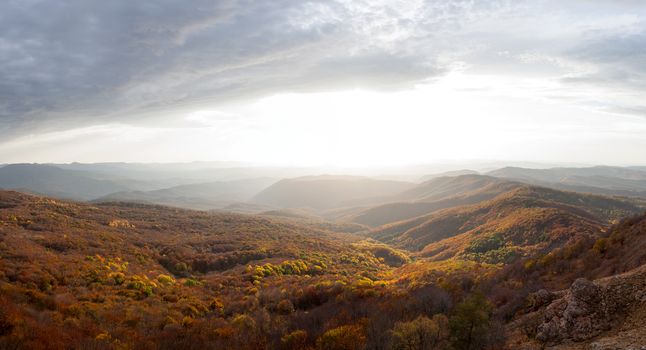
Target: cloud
[[75, 63], [619, 60]]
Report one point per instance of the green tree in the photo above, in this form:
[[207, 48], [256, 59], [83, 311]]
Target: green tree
[[471, 323], [422, 333]]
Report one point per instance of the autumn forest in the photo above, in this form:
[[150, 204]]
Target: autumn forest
[[473, 272]]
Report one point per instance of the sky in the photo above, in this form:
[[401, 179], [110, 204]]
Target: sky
[[348, 83]]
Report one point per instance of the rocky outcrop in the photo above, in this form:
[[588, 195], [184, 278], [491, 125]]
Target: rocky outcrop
[[586, 310], [579, 315]]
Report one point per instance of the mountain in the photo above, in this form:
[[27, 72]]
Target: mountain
[[325, 192], [132, 275], [603, 185], [175, 174], [558, 174], [448, 173], [243, 208], [129, 275], [211, 195], [612, 183], [600, 180], [56, 182], [292, 213], [430, 196], [451, 186], [517, 223]]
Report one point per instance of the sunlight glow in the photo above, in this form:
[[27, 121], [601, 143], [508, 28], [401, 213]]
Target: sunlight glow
[[460, 117]]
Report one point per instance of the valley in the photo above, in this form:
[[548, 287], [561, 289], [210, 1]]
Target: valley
[[328, 262], [323, 175]]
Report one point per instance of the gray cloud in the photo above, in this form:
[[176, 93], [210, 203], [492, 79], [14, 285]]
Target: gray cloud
[[619, 59], [91, 61], [78, 62]]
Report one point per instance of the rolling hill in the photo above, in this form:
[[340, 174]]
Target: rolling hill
[[212, 195], [558, 174], [116, 275], [430, 196], [517, 223], [448, 173], [56, 182], [33, 224], [603, 180], [326, 192], [450, 186], [111, 275], [97, 276]]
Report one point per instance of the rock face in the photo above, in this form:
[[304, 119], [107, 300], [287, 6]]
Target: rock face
[[587, 309], [580, 314]]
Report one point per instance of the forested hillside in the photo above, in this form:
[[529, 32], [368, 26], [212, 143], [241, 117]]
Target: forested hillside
[[132, 275], [127, 275]]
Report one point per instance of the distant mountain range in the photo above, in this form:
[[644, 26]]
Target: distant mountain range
[[449, 174], [601, 179], [352, 199], [519, 240], [56, 182], [134, 183], [326, 192], [560, 174], [211, 195], [438, 193]]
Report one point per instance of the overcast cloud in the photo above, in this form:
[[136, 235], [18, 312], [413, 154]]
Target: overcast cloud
[[73, 64]]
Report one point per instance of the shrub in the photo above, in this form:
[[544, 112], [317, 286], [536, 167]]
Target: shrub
[[347, 337], [422, 333], [120, 223], [189, 282], [294, 340], [187, 321], [243, 323], [181, 267], [165, 279], [217, 305], [141, 284], [485, 244], [285, 307], [117, 277], [600, 246]]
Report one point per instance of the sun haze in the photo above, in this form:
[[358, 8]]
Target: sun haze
[[312, 83]]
